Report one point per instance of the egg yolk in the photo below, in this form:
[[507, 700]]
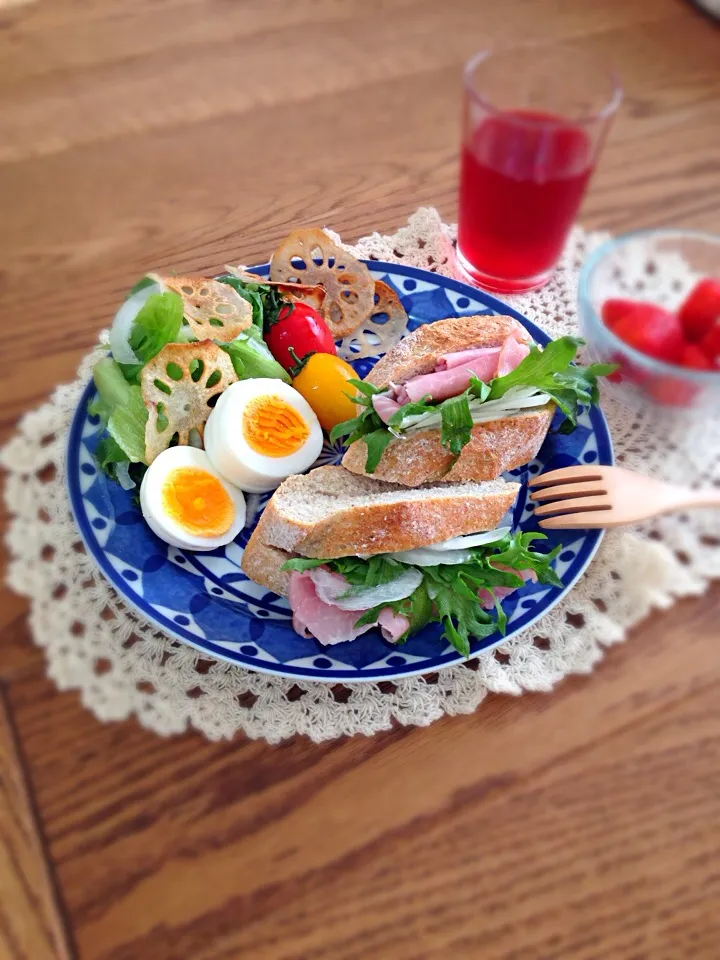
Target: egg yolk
[[273, 428], [198, 502]]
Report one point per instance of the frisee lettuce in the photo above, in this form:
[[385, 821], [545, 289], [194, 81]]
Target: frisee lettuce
[[448, 593], [265, 300], [543, 375]]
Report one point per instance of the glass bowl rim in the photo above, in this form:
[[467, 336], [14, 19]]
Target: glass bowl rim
[[585, 304]]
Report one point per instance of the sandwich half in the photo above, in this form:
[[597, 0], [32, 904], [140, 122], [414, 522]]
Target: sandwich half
[[352, 553], [462, 399]]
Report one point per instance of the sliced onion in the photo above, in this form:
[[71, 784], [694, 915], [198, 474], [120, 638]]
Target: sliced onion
[[471, 540], [330, 589], [515, 401], [122, 472], [425, 557], [124, 319]]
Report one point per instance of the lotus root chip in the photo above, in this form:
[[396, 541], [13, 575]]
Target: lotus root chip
[[386, 326], [213, 310], [310, 257], [178, 392]]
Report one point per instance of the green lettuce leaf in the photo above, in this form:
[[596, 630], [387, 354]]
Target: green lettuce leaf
[[122, 411], [157, 324], [252, 358]]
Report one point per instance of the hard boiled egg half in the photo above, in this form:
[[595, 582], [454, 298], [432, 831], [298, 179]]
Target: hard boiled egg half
[[187, 503], [260, 432]]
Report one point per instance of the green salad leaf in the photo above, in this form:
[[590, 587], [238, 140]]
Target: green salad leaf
[[158, 323], [251, 357], [550, 372], [120, 407], [448, 593]]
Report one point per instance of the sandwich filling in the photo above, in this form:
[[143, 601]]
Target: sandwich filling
[[459, 583], [473, 386]]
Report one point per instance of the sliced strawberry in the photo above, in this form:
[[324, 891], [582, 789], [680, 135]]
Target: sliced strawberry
[[653, 331], [701, 309], [710, 345], [671, 391], [693, 356], [613, 310]]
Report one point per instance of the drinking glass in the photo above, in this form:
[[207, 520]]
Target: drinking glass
[[534, 123]]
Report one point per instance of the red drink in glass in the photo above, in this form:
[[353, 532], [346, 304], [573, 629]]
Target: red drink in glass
[[523, 174]]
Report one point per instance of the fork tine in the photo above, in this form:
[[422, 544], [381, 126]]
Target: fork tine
[[580, 521], [566, 491], [566, 475], [573, 506]]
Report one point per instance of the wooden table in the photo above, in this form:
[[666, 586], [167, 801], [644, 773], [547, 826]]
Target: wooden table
[[584, 825]]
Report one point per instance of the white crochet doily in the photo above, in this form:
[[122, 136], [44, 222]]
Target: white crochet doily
[[122, 665]]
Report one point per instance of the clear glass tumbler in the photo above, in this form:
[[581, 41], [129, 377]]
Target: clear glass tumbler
[[533, 126]]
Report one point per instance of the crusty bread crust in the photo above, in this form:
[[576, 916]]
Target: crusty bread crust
[[262, 563], [418, 352], [379, 526], [494, 447]]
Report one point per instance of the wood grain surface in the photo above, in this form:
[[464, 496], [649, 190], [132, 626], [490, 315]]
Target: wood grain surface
[[583, 825]]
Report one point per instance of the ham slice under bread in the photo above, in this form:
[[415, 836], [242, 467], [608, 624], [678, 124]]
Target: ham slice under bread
[[312, 617], [452, 375]]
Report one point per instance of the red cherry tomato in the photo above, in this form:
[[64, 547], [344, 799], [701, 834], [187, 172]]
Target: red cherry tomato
[[701, 309], [710, 346], [653, 331], [671, 391], [693, 356], [299, 328], [613, 310]]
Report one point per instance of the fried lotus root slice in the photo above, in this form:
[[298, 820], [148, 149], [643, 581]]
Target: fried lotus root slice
[[178, 386], [312, 295], [386, 326], [213, 310], [310, 256]]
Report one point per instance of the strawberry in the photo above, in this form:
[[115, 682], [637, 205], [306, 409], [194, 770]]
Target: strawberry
[[701, 309], [613, 310], [653, 331], [710, 345], [693, 356]]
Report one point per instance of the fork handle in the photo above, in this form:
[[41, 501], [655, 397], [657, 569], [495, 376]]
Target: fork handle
[[699, 498]]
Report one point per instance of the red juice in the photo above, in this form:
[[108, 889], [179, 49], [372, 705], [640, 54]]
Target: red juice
[[522, 178]]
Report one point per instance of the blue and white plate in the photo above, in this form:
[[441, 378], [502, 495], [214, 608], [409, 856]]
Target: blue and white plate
[[207, 601]]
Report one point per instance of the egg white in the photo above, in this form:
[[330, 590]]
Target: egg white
[[230, 453], [151, 500]]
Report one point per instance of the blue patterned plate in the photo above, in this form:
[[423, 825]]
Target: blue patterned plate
[[205, 599]]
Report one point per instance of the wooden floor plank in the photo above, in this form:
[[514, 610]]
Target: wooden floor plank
[[31, 925]]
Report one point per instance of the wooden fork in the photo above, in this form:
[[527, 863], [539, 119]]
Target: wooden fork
[[609, 497]]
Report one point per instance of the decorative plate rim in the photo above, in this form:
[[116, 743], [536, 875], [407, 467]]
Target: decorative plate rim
[[592, 538]]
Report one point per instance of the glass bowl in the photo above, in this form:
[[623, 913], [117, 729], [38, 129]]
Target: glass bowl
[[659, 266]]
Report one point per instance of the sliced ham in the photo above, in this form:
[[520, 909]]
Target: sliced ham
[[312, 617], [385, 406], [486, 596], [392, 625], [461, 357], [452, 374], [512, 354], [447, 383]]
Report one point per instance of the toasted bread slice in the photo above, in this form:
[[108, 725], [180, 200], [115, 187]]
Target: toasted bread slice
[[419, 351], [263, 564], [494, 447], [330, 512]]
